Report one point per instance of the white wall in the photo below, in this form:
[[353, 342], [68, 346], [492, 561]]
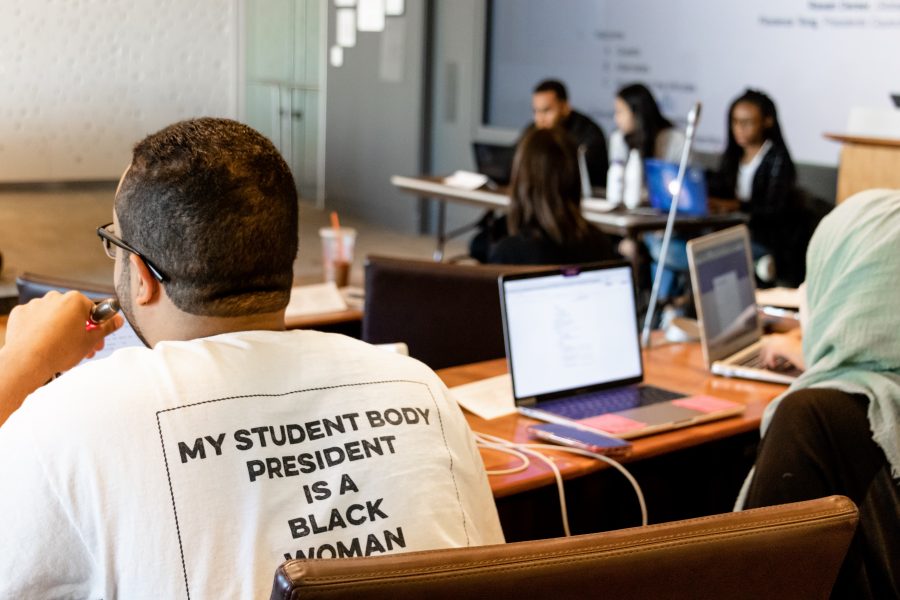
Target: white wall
[[458, 77], [82, 80], [376, 120], [817, 60]]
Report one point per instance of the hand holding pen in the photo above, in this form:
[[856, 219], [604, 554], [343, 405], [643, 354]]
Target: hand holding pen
[[47, 336], [103, 311]]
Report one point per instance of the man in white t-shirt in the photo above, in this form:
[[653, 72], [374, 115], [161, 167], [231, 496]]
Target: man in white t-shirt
[[194, 466]]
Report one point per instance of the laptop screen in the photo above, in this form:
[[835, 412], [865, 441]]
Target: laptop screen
[[494, 161], [726, 292], [661, 179], [567, 331]]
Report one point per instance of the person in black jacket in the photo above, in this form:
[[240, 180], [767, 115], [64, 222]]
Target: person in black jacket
[[550, 103], [756, 169], [837, 428], [545, 221]]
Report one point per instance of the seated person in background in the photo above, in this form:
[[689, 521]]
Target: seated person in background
[[551, 107], [196, 465], [642, 132], [550, 103], [757, 170], [837, 429], [545, 221]]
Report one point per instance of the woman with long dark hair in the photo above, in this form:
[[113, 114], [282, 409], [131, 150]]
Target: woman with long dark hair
[[756, 169], [545, 221], [641, 126], [642, 132]]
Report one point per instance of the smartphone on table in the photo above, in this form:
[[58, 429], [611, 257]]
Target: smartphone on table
[[592, 441]]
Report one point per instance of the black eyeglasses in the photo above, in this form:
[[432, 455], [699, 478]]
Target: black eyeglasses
[[111, 242]]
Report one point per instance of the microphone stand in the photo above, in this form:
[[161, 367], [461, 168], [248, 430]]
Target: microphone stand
[[692, 119], [586, 190]]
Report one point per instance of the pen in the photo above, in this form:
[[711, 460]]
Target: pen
[[102, 311]]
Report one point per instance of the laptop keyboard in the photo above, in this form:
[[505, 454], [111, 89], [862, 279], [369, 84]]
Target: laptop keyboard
[[606, 401], [754, 361]]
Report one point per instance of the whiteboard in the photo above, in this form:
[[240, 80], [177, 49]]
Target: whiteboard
[[82, 81], [816, 58]]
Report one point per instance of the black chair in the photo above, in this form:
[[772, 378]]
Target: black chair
[[447, 314], [790, 258]]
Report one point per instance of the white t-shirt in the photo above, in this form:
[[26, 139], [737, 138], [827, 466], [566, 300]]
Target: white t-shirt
[[196, 468], [668, 146], [746, 172]]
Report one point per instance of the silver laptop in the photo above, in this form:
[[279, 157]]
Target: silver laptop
[[725, 296], [572, 346]]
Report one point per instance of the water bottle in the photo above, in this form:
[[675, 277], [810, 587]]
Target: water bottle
[[634, 180], [615, 182]]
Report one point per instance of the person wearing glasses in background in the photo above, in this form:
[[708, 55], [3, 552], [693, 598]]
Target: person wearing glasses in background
[[196, 465]]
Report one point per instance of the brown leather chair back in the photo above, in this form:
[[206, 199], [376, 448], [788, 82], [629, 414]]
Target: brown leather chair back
[[791, 551], [448, 314], [32, 285]]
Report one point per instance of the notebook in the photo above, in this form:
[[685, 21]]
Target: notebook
[[722, 276], [661, 177], [494, 160], [573, 352]]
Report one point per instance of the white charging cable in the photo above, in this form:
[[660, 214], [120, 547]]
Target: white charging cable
[[522, 451]]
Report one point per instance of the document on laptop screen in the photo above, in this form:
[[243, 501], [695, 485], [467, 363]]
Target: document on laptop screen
[[568, 332], [726, 293]]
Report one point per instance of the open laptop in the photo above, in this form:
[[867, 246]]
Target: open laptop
[[661, 177], [494, 160], [724, 293], [572, 346]]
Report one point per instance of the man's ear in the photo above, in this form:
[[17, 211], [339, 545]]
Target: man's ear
[[145, 285]]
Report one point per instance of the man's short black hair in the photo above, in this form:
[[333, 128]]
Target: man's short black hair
[[553, 85], [213, 205]]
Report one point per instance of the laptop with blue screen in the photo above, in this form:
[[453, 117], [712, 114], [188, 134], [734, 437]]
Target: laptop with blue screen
[[574, 355], [661, 178]]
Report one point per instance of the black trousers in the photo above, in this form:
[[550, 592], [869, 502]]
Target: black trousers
[[818, 444]]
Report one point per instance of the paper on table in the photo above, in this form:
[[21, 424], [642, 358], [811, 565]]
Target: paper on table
[[597, 204], [315, 299], [466, 180], [779, 296], [355, 297], [123, 337], [489, 398]]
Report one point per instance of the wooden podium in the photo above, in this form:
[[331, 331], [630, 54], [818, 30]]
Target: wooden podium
[[866, 163]]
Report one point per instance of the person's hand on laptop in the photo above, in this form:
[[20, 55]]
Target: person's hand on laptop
[[787, 346], [44, 337]]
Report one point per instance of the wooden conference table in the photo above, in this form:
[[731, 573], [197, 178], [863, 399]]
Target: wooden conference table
[[686, 472], [615, 221]]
